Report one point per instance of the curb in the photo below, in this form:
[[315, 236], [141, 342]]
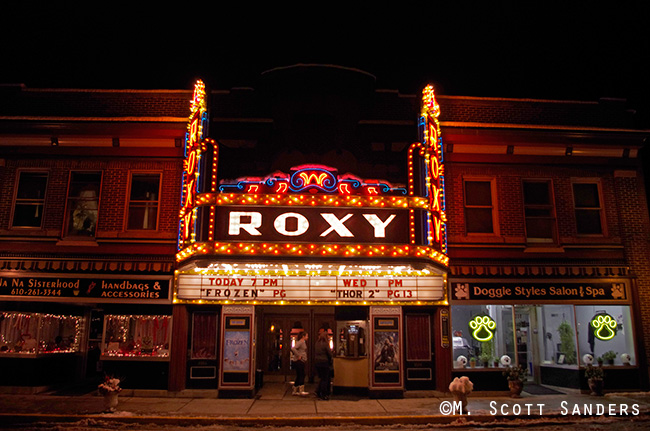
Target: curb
[[303, 421]]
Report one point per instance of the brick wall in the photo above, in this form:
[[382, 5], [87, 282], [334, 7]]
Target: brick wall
[[635, 231], [113, 198], [509, 198]]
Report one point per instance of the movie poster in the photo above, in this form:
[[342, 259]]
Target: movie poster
[[236, 351], [386, 351]]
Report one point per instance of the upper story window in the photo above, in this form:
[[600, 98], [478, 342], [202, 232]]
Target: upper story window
[[30, 200], [539, 211], [83, 204], [479, 206], [144, 199], [588, 207]]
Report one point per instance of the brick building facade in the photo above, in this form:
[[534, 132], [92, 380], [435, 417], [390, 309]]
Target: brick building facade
[[76, 167], [539, 195]]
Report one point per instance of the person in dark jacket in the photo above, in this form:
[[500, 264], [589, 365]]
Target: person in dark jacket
[[323, 362]]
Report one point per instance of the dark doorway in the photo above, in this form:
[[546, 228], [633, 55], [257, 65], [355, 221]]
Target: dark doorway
[[418, 351]]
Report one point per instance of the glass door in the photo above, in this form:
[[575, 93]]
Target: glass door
[[280, 332], [526, 332]]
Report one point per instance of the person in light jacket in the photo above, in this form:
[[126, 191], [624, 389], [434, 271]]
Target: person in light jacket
[[298, 360], [323, 362]]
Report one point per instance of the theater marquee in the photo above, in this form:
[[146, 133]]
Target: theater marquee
[[313, 212]]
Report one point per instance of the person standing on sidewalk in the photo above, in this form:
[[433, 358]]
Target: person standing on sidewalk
[[323, 362], [299, 359]]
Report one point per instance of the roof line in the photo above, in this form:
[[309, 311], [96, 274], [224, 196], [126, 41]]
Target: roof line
[[107, 119], [505, 99], [91, 90], [533, 126]]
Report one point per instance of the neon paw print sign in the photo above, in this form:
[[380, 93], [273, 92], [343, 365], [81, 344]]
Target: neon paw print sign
[[604, 326], [482, 328]]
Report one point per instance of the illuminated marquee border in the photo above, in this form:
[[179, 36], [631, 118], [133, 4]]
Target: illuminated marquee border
[[196, 144], [320, 250], [425, 159]]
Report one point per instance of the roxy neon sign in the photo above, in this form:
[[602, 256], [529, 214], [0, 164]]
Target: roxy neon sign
[[250, 221], [191, 164]]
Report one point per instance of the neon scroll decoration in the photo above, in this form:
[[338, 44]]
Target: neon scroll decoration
[[426, 172], [200, 161], [312, 178]]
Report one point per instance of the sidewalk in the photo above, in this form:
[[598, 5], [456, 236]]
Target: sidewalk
[[274, 405]]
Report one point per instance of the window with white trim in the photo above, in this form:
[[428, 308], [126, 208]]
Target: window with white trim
[[479, 206], [588, 208], [144, 199], [539, 211], [30, 200]]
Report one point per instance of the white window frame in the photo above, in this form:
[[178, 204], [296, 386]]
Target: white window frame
[[600, 208], [129, 201], [493, 205], [17, 200]]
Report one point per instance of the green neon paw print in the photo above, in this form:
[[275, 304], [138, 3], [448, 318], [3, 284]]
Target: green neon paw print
[[483, 327], [604, 326]]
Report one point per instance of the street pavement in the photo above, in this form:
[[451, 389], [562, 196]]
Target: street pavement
[[274, 405]]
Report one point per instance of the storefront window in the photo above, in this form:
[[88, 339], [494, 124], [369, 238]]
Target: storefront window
[[137, 336], [558, 335], [605, 331], [36, 333], [482, 334]]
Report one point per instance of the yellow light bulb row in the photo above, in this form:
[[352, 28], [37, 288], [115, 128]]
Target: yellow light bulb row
[[310, 302], [307, 273], [326, 250]]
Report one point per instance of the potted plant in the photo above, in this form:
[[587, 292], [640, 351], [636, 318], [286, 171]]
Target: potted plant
[[600, 361], [515, 376], [567, 342], [110, 388], [609, 356], [486, 353], [485, 359], [595, 379], [472, 362]]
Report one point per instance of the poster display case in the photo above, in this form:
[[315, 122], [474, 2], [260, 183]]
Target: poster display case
[[386, 348], [236, 352]]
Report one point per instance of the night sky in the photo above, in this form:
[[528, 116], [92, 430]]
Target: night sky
[[546, 52]]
